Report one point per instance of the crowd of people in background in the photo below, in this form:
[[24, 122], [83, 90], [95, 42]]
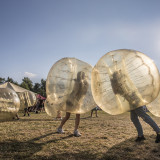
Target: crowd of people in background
[[38, 107]]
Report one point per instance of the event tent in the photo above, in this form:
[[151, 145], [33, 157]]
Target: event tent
[[14, 87], [27, 98], [19, 89], [40, 97]]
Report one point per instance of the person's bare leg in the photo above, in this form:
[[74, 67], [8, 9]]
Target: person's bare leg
[[77, 121], [64, 120], [17, 116], [91, 112], [28, 112], [96, 113]]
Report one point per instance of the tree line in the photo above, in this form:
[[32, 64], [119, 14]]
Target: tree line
[[39, 88]]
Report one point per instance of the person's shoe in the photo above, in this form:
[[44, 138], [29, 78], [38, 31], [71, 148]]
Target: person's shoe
[[139, 139], [58, 119], [157, 138], [76, 133], [60, 131]]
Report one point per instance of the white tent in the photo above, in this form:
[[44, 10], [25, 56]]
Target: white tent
[[27, 98], [14, 87]]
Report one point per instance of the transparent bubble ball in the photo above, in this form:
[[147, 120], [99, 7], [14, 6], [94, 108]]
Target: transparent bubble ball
[[27, 99], [68, 86], [154, 106], [123, 80], [52, 111], [9, 104]]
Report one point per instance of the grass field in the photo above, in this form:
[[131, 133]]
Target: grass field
[[105, 137]]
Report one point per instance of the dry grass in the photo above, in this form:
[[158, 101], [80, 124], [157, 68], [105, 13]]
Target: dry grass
[[106, 137]]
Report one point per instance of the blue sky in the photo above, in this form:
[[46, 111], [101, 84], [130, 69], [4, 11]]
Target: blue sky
[[34, 34]]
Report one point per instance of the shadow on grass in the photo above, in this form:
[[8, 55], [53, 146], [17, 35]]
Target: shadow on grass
[[126, 150], [131, 150], [89, 117], [30, 119], [14, 149]]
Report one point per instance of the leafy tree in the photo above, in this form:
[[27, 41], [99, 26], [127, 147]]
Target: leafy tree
[[11, 81], [37, 88], [43, 84], [43, 87], [2, 80], [40, 88], [24, 85], [27, 83]]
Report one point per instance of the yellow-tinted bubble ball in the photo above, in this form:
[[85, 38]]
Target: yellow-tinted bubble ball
[[52, 111], [9, 104], [154, 106], [68, 86], [123, 80], [27, 99]]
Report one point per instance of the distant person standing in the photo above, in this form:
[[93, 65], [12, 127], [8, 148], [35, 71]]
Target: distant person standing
[[37, 105], [95, 109], [41, 106], [26, 110], [139, 112]]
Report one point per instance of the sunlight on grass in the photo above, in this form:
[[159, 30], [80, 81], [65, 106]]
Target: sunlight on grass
[[103, 137]]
